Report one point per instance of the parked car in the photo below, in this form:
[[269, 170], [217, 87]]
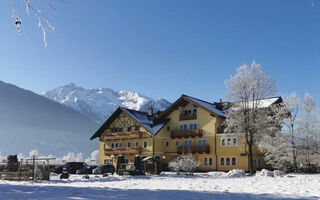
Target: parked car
[[104, 169], [72, 167], [57, 169], [91, 168], [86, 169]]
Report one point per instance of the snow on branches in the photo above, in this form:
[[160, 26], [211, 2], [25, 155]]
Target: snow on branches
[[298, 137], [43, 23], [184, 163], [247, 88]]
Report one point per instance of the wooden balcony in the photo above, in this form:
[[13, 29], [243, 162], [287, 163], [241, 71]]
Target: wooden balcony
[[187, 117], [193, 149], [123, 135], [123, 151], [186, 133]]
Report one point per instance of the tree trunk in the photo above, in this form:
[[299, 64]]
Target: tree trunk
[[294, 155], [250, 158]]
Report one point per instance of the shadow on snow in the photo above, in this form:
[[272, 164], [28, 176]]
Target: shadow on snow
[[59, 192]]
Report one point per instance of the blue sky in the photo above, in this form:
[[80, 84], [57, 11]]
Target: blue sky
[[163, 48]]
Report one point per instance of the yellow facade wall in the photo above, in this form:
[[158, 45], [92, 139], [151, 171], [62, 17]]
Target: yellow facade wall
[[208, 123]]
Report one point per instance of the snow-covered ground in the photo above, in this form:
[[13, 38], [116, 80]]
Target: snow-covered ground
[[168, 186]]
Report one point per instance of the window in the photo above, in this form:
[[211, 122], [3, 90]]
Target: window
[[210, 161], [177, 143], [227, 161], [168, 128], [137, 128], [189, 112], [137, 143], [205, 161], [129, 144], [188, 142], [112, 145], [104, 145], [229, 142], [120, 144], [107, 161], [181, 127], [194, 111], [221, 161], [234, 141], [195, 126], [116, 145], [233, 161], [191, 126], [185, 126], [129, 129], [185, 112], [145, 144], [223, 142], [166, 143], [202, 142]]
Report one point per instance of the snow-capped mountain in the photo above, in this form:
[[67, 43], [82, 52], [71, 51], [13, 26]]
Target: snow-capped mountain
[[29, 121], [99, 104]]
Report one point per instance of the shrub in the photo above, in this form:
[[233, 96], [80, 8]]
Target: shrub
[[184, 163]]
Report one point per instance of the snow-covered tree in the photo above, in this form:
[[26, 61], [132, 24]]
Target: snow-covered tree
[[280, 145], [309, 127], [71, 157], [247, 87], [33, 154], [184, 163], [94, 158], [43, 23]]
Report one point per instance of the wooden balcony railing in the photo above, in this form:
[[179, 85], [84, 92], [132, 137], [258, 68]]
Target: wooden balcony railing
[[187, 117], [193, 149], [123, 150], [123, 135], [186, 133]]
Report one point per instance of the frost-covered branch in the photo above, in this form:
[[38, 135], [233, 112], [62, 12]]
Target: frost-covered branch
[[246, 116], [43, 23], [184, 163]]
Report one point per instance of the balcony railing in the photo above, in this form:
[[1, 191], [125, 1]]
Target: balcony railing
[[193, 149], [186, 133], [123, 135], [123, 150], [187, 117]]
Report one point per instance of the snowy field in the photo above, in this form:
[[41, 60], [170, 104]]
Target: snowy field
[[168, 186]]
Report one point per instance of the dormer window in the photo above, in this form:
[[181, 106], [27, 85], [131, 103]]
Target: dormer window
[[194, 111]]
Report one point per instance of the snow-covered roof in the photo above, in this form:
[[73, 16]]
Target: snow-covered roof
[[262, 103], [207, 105], [144, 119], [154, 124], [147, 121]]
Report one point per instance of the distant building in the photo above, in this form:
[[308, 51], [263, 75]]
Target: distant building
[[188, 126]]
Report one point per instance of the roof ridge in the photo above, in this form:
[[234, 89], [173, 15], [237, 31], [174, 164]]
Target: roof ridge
[[139, 111], [198, 99]]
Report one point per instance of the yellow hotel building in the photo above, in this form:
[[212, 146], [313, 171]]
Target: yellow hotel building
[[188, 126]]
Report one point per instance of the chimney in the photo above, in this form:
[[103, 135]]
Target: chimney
[[150, 111]]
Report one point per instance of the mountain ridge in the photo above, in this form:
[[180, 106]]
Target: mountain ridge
[[30, 121], [98, 104]]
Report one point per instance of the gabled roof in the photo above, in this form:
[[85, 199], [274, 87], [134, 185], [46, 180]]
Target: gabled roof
[[142, 118], [263, 103], [185, 99]]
